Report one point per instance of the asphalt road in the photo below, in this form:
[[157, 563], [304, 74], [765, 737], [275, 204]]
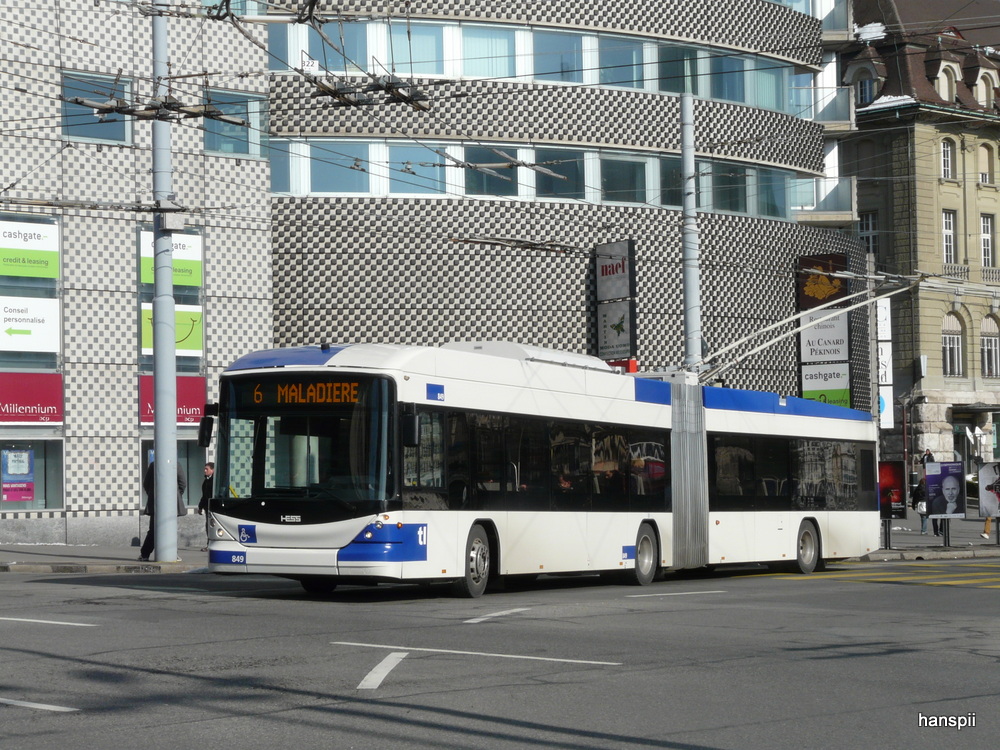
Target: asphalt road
[[858, 656]]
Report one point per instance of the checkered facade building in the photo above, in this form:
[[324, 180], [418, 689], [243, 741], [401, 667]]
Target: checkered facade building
[[98, 285], [409, 270]]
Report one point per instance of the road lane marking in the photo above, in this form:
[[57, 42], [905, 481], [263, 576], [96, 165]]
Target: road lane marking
[[484, 618], [478, 653], [39, 706], [51, 622], [674, 593], [963, 581], [374, 678]]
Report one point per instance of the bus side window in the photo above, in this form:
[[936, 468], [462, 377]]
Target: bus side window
[[488, 468], [611, 470], [731, 474]]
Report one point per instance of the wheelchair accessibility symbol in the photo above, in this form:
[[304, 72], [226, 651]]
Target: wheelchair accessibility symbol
[[248, 534]]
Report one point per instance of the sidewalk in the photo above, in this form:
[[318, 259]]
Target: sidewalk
[[906, 543], [68, 558]]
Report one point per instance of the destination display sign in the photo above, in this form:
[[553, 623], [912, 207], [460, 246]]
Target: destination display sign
[[316, 391]]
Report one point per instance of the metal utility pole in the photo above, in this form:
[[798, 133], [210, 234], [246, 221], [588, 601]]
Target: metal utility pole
[[164, 324], [690, 268]]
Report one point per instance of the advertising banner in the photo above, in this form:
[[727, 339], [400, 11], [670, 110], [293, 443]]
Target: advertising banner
[[191, 395], [187, 259], [989, 490], [29, 249], [29, 324], [615, 330], [615, 264], [189, 330], [945, 489], [17, 474], [37, 399], [829, 383], [826, 341], [892, 489]]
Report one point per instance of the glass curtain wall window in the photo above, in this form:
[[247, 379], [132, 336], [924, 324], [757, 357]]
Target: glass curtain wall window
[[671, 181], [337, 167], [558, 56], [772, 193], [416, 49], [770, 84], [488, 52], [568, 164], [621, 62], [415, 169], [677, 69], [623, 181], [324, 166], [484, 183], [986, 240], [350, 50], [727, 77], [729, 188], [951, 347], [948, 235], [80, 120], [990, 344], [249, 139]]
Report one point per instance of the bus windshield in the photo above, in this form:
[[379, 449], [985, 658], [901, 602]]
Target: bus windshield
[[310, 445]]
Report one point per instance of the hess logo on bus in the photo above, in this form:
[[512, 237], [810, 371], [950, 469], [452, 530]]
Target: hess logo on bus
[[291, 519]]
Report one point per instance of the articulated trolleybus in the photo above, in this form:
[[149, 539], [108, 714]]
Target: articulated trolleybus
[[474, 461]]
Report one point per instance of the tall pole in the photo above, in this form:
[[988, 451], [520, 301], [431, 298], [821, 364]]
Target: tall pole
[[164, 339], [691, 272]]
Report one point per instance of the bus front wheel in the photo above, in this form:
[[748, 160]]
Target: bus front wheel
[[476, 564], [318, 585], [647, 554]]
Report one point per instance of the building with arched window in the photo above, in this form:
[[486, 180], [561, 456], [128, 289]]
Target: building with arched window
[[925, 155]]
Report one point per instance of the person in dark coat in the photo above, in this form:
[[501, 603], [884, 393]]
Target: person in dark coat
[[149, 485], [206, 493]]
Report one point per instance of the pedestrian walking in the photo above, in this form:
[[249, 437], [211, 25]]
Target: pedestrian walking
[[206, 493], [149, 485]]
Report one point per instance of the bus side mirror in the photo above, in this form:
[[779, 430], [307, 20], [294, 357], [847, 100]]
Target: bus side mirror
[[410, 429], [205, 431]]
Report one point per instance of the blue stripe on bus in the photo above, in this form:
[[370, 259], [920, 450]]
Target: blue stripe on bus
[[227, 557], [390, 543], [732, 399], [652, 391], [292, 355]]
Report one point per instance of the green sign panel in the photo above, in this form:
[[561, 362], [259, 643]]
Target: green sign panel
[[189, 330]]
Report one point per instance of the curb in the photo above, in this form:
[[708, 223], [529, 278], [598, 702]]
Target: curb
[[950, 553], [105, 568]]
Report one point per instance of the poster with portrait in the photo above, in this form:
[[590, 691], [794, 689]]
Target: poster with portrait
[[989, 490], [945, 490]]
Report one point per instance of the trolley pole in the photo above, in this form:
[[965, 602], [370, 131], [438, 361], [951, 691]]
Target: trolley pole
[[690, 262], [164, 324]]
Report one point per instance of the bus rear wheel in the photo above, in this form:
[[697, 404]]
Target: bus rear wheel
[[647, 555], [476, 564], [807, 548]]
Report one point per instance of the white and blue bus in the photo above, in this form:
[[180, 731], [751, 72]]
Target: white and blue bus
[[474, 461]]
